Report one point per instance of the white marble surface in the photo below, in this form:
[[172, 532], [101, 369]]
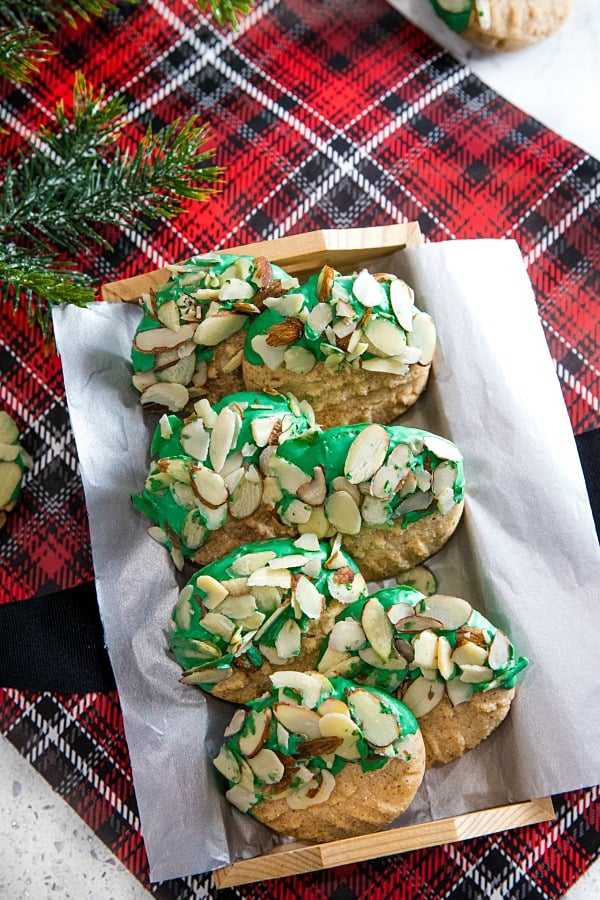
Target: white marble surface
[[46, 849], [556, 80]]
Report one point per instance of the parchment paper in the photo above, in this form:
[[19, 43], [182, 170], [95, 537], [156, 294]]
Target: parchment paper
[[525, 554]]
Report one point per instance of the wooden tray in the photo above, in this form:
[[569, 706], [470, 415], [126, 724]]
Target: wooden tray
[[301, 255]]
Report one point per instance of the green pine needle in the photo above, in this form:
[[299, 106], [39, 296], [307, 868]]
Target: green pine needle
[[52, 14], [226, 11], [22, 50], [77, 179]]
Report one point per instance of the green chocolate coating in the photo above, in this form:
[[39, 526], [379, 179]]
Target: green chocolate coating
[[187, 628]]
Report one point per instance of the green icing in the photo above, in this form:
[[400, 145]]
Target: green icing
[[457, 20], [329, 450], [370, 758], [196, 273], [310, 339], [222, 570], [390, 680], [161, 503]]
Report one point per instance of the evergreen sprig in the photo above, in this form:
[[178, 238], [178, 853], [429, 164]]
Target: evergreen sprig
[[226, 11], [75, 180], [22, 51], [53, 14]]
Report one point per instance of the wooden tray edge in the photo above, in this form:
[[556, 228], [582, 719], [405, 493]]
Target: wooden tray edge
[[299, 254], [292, 859]]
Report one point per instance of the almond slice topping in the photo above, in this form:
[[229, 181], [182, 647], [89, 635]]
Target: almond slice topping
[[422, 695], [158, 340], [401, 301], [298, 720], [377, 628], [314, 492], [254, 732], [366, 453], [379, 726], [343, 513], [308, 598], [216, 329], [222, 437]]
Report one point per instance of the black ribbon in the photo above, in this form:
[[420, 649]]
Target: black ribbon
[[56, 642]]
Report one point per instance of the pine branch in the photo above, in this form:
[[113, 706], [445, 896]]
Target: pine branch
[[226, 11], [22, 50], [40, 281], [52, 14], [79, 180]]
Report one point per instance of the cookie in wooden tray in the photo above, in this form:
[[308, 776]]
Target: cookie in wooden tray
[[261, 608], [322, 759], [205, 491], [455, 670], [355, 346], [189, 343], [396, 494]]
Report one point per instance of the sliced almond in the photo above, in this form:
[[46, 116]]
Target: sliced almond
[[377, 628], [10, 479], [142, 380], [393, 664], [469, 654], [272, 577], [268, 599], [320, 317], [425, 646], [375, 512], [310, 601], [250, 562], [158, 340], [222, 437], [317, 523], [379, 726], [420, 578], [459, 691], [226, 763], [310, 686], [314, 492], [342, 484], [325, 282], [219, 625], [444, 477], [288, 475], [298, 720], [195, 439], [296, 513], [446, 501], [193, 530], [385, 337], [314, 793], [237, 720], [208, 676], [241, 797], [208, 486], [415, 623], [267, 766], [254, 732], [238, 607], [366, 453], [271, 356], [422, 695], [168, 314], [331, 659], [233, 363], [333, 705], [343, 513], [245, 497], [308, 542], [419, 501], [402, 303], [348, 588], [423, 336], [216, 329], [443, 448], [399, 611], [289, 640], [347, 635], [499, 655], [367, 290], [235, 289], [288, 305], [299, 360], [385, 481], [262, 429], [476, 674], [452, 612], [174, 396], [184, 611], [445, 665], [390, 366]]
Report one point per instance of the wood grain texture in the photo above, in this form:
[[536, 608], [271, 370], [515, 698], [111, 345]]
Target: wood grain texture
[[293, 859], [298, 254]]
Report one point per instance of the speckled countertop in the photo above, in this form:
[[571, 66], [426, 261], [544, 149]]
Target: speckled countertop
[[46, 850]]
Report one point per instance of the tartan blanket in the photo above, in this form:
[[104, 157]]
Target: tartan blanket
[[325, 114]]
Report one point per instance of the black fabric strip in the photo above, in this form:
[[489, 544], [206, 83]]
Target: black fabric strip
[[56, 642]]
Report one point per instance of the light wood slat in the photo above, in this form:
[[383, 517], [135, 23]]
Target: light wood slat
[[293, 859], [299, 254]]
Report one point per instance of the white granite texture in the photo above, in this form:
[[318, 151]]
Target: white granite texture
[[46, 849]]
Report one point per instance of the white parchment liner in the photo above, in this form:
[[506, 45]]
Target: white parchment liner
[[525, 554]]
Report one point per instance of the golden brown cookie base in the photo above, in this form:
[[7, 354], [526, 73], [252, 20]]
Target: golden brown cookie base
[[260, 526], [360, 803], [344, 397], [387, 552], [248, 682], [221, 383], [450, 731], [517, 23]]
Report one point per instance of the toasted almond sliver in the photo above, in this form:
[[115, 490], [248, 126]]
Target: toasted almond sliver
[[347, 635], [245, 497], [298, 720], [270, 576], [422, 696], [314, 492], [379, 726], [308, 598], [452, 612], [254, 731], [377, 627], [366, 453], [267, 766], [313, 793], [158, 340], [216, 329], [425, 646], [343, 513], [172, 395], [310, 686], [222, 437], [250, 562]]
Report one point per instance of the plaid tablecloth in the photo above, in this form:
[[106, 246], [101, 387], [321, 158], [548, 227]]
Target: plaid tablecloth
[[325, 114]]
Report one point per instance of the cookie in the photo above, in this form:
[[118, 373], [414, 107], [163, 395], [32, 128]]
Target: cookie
[[455, 670], [503, 24], [355, 346], [205, 491], [14, 459], [190, 341], [396, 494], [262, 608], [322, 759]]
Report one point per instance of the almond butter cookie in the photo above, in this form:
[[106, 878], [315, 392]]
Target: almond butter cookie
[[455, 670], [395, 494], [322, 759], [503, 24], [355, 346], [262, 608]]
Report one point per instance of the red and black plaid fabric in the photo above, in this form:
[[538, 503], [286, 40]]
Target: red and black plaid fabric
[[325, 114]]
